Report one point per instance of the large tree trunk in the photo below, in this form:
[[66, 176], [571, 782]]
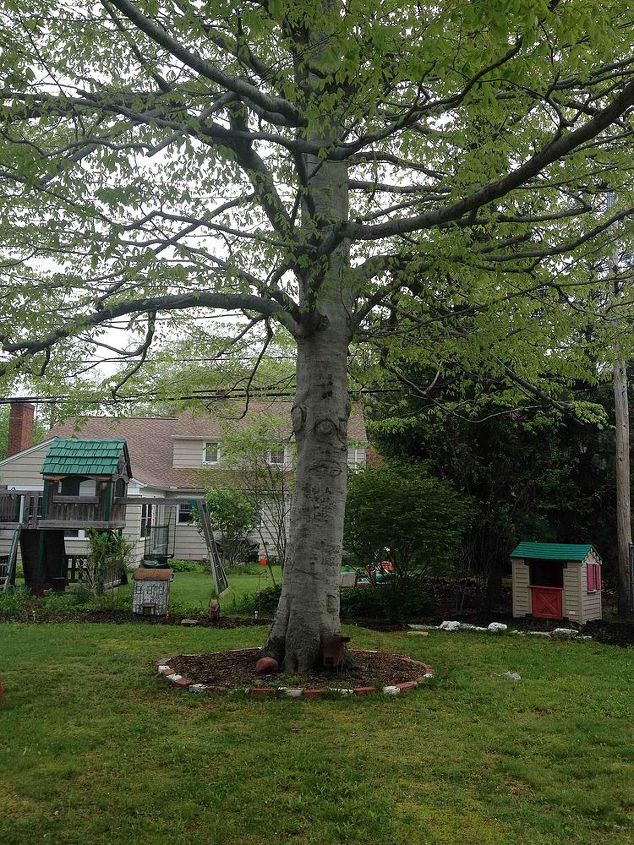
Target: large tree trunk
[[308, 611]]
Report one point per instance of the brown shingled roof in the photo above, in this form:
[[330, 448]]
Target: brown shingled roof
[[150, 439]]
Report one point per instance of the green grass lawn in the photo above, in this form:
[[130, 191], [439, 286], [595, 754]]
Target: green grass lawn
[[95, 749], [193, 590]]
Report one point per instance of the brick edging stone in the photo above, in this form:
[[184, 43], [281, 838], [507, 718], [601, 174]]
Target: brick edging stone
[[164, 670]]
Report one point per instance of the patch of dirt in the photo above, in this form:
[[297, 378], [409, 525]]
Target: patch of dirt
[[610, 633], [233, 669]]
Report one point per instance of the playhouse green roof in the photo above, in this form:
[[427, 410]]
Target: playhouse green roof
[[83, 457], [552, 551]]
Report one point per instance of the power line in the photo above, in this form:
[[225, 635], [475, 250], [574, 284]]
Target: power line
[[203, 396]]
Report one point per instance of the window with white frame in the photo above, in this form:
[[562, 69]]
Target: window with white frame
[[356, 455], [146, 520], [185, 513], [211, 452], [277, 455]]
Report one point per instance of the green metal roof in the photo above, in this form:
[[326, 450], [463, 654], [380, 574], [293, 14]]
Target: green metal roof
[[84, 457], [552, 551]]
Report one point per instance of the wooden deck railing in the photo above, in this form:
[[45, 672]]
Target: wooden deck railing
[[19, 507]]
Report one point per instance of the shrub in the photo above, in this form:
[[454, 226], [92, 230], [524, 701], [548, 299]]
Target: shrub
[[388, 603], [234, 516], [109, 552], [401, 513], [186, 565], [14, 603]]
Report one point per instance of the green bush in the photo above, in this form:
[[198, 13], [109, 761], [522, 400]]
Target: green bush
[[388, 603], [14, 603], [186, 565], [401, 513]]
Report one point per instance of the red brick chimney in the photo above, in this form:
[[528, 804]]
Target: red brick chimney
[[20, 427]]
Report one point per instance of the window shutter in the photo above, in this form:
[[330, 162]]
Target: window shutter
[[597, 576], [590, 577]]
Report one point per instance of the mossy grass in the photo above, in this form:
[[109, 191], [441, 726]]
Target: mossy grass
[[95, 748]]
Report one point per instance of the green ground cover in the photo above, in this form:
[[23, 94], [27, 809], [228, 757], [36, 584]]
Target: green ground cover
[[94, 748], [193, 590]]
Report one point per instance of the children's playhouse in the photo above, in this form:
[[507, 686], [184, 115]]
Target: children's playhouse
[[556, 581]]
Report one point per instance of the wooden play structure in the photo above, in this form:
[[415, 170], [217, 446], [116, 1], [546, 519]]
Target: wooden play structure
[[556, 581], [84, 486]]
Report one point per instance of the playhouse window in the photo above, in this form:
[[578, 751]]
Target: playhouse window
[[546, 573], [593, 575]]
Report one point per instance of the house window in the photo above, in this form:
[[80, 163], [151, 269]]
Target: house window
[[211, 452], [185, 514], [146, 520], [593, 575], [356, 456], [277, 456]]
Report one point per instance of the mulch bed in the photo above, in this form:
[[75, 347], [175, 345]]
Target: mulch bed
[[234, 669], [610, 633], [126, 617]]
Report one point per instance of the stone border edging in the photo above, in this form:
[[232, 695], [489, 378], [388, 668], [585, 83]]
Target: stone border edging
[[164, 670]]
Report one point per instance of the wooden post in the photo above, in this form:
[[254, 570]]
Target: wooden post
[[107, 502], [623, 506]]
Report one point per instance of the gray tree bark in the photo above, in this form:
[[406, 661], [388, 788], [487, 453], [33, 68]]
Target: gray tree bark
[[308, 611]]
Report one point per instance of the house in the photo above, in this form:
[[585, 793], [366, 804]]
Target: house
[[170, 458]]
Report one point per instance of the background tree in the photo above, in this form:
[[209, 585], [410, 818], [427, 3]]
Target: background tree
[[326, 167], [234, 516], [401, 513], [531, 473], [258, 462]]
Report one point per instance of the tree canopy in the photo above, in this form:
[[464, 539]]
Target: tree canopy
[[155, 158], [336, 171]]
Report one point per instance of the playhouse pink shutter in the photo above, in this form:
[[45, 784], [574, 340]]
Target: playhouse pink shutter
[[593, 575]]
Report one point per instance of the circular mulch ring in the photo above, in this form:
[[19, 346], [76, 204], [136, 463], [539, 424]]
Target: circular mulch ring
[[234, 671]]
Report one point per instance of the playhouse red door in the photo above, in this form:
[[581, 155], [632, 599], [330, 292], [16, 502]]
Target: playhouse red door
[[547, 602]]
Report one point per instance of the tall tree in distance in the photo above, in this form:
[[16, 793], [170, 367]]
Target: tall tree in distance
[[318, 168]]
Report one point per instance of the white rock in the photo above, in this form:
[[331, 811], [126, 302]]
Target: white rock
[[173, 677], [513, 676], [538, 634], [466, 626], [481, 630], [497, 627], [428, 675], [413, 627], [197, 688], [449, 626], [341, 691], [391, 690], [564, 633], [291, 692]]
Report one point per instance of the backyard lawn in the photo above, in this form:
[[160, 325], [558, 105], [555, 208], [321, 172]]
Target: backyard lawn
[[193, 590], [95, 749]]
